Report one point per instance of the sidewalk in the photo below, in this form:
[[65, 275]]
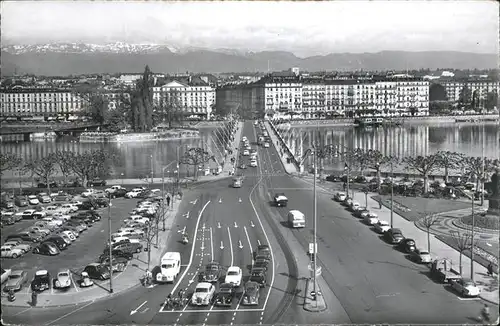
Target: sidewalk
[[123, 281], [230, 168], [488, 284], [282, 150]]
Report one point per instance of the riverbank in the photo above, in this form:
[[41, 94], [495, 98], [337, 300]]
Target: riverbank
[[94, 137], [346, 122]]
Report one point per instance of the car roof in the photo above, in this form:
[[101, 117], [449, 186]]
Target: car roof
[[204, 285], [16, 272], [234, 269], [41, 272]]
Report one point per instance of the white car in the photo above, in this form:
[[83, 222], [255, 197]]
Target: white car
[[39, 229], [233, 276], [11, 252], [38, 215], [113, 189], [76, 202], [421, 256], [266, 145], [382, 226], [371, 219], [33, 200], [69, 207], [28, 214], [133, 193], [63, 279], [88, 192], [25, 247], [203, 294], [466, 287], [69, 234], [354, 206], [246, 152], [61, 216], [49, 210], [340, 196], [53, 220], [253, 163], [130, 231]]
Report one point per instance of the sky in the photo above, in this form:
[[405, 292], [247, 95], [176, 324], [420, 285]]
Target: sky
[[304, 28]]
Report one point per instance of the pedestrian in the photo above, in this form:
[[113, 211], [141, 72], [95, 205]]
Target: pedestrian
[[168, 201], [34, 297], [344, 186], [490, 269]]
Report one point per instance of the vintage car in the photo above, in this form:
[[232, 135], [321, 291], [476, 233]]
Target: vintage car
[[263, 250], [16, 280], [212, 273], [203, 294], [9, 251], [258, 275], [233, 276], [226, 295], [280, 200], [44, 198], [407, 245], [41, 282], [421, 256], [97, 271], [5, 274], [47, 248], [466, 287], [261, 263], [63, 279], [382, 226], [18, 244], [252, 293], [394, 236]]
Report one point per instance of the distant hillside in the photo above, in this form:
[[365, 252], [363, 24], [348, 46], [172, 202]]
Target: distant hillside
[[50, 61]]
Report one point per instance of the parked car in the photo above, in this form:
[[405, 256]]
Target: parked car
[[9, 251], [69, 234], [394, 236], [131, 247], [76, 231], [362, 213], [18, 244], [44, 198], [116, 253], [47, 248], [28, 214], [21, 201], [5, 275], [421, 256], [7, 204], [203, 294], [58, 241], [407, 245], [97, 271], [382, 226], [233, 276], [33, 200], [38, 215], [252, 293], [332, 178], [51, 220], [16, 280], [63, 279], [96, 182], [41, 281], [45, 232], [25, 236], [46, 225], [52, 184], [340, 196], [466, 287], [371, 218]]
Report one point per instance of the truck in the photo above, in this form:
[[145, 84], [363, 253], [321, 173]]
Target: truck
[[442, 270], [296, 219], [170, 266]]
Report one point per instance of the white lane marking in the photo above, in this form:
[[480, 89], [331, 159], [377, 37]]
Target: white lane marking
[[214, 311], [221, 245], [267, 239], [235, 225], [73, 282], [212, 244], [22, 311], [249, 243], [258, 242], [192, 253], [132, 312], [70, 313], [230, 245]]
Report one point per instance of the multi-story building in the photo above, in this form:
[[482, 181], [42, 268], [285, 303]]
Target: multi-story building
[[191, 96], [21, 102], [481, 86]]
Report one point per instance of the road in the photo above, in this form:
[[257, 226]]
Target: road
[[364, 279]]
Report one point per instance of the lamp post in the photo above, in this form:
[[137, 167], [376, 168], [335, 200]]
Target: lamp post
[[110, 247], [392, 193], [315, 246], [122, 175], [163, 192], [472, 242]]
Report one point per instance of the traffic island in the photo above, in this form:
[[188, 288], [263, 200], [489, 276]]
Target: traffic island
[[313, 302]]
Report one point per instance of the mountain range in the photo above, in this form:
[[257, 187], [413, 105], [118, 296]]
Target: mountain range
[[61, 59]]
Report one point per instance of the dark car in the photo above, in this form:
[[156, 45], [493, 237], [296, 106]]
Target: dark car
[[21, 201], [251, 294], [263, 250], [261, 263], [52, 184], [58, 241], [129, 247], [102, 202], [88, 205], [280, 200], [120, 193], [394, 236], [25, 236], [47, 248], [212, 273], [258, 276], [41, 282], [226, 295], [116, 253], [73, 184], [71, 228], [407, 245], [332, 178], [97, 271], [87, 214], [7, 204], [97, 182]]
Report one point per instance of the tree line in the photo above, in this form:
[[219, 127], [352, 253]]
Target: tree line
[[84, 166]]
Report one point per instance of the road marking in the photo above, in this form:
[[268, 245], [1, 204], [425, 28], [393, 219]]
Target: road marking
[[468, 299], [218, 225], [214, 311], [230, 245], [258, 242], [186, 215], [251, 224], [235, 225], [70, 313], [194, 201], [221, 245], [73, 282], [22, 311], [212, 244], [249, 243], [132, 312], [192, 253]]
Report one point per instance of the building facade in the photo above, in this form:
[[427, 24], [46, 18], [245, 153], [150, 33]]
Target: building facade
[[300, 97], [19, 102], [192, 99], [482, 87]]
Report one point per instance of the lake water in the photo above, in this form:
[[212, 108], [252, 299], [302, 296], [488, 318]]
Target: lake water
[[135, 158]]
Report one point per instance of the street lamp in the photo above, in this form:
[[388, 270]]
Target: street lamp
[[392, 193], [122, 176], [151, 171]]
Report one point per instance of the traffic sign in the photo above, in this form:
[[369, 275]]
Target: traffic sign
[[311, 248]]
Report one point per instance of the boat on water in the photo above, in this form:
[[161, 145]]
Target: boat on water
[[369, 122], [49, 135]]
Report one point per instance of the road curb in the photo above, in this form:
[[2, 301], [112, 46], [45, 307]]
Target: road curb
[[308, 300], [461, 225], [488, 300]]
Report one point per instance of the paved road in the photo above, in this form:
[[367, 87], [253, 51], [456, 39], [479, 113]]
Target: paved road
[[364, 279]]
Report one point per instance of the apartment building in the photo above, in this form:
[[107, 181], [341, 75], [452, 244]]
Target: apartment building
[[482, 86], [190, 95], [40, 103]]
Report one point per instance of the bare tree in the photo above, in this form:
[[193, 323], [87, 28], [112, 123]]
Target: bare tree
[[463, 242], [450, 160], [474, 167], [45, 168], [64, 161], [196, 157], [90, 164], [424, 165], [8, 161], [428, 221]]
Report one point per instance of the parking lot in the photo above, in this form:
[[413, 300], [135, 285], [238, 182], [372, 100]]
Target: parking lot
[[84, 250]]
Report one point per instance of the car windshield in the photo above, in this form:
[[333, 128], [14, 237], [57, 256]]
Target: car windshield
[[213, 267], [232, 273], [201, 290], [469, 283], [14, 276], [63, 274], [167, 266], [424, 253]]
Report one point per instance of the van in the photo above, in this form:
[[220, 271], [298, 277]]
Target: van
[[296, 219], [170, 266]]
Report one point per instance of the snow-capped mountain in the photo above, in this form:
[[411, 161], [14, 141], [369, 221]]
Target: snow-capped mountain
[[116, 47]]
